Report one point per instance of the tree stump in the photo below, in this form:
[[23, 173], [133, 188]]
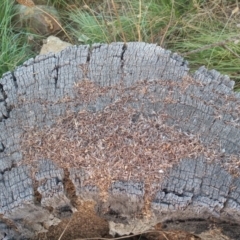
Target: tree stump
[[124, 131]]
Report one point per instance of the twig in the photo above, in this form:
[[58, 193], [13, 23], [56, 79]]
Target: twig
[[230, 50], [222, 43], [150, 231], [120, 24], [170, 20], [139, 21], [30, 3], [95, 18], [164, 235], [65, 229], [233, 12]]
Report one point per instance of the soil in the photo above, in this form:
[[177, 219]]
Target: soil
[[86, 224], [82, 224]]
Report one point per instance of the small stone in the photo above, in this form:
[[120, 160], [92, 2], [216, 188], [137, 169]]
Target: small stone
[[236, 41], [53, 44]]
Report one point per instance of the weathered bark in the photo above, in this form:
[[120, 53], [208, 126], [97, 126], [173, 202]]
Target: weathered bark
[[201, 111]]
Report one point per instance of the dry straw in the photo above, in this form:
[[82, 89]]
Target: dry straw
[[30, 3]]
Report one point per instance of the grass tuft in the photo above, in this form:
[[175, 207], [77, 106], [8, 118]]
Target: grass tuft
[[14, 48], [204, 32]]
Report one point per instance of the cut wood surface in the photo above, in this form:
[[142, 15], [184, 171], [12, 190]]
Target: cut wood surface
[[126, 127]]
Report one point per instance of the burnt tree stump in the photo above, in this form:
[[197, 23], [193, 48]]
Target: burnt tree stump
[[125, 126]]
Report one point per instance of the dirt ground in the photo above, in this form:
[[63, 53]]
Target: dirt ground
[[85, 224]]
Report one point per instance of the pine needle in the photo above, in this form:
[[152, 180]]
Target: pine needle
[[65, 229]]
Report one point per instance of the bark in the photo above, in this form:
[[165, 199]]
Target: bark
[[192, 128]]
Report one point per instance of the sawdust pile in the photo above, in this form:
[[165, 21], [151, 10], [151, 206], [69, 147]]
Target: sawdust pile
[[117, 143]]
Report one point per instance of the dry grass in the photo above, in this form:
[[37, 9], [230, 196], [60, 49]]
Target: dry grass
[[30, 3], [27, 3]]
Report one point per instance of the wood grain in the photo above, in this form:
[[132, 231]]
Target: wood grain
[[126, 126]]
